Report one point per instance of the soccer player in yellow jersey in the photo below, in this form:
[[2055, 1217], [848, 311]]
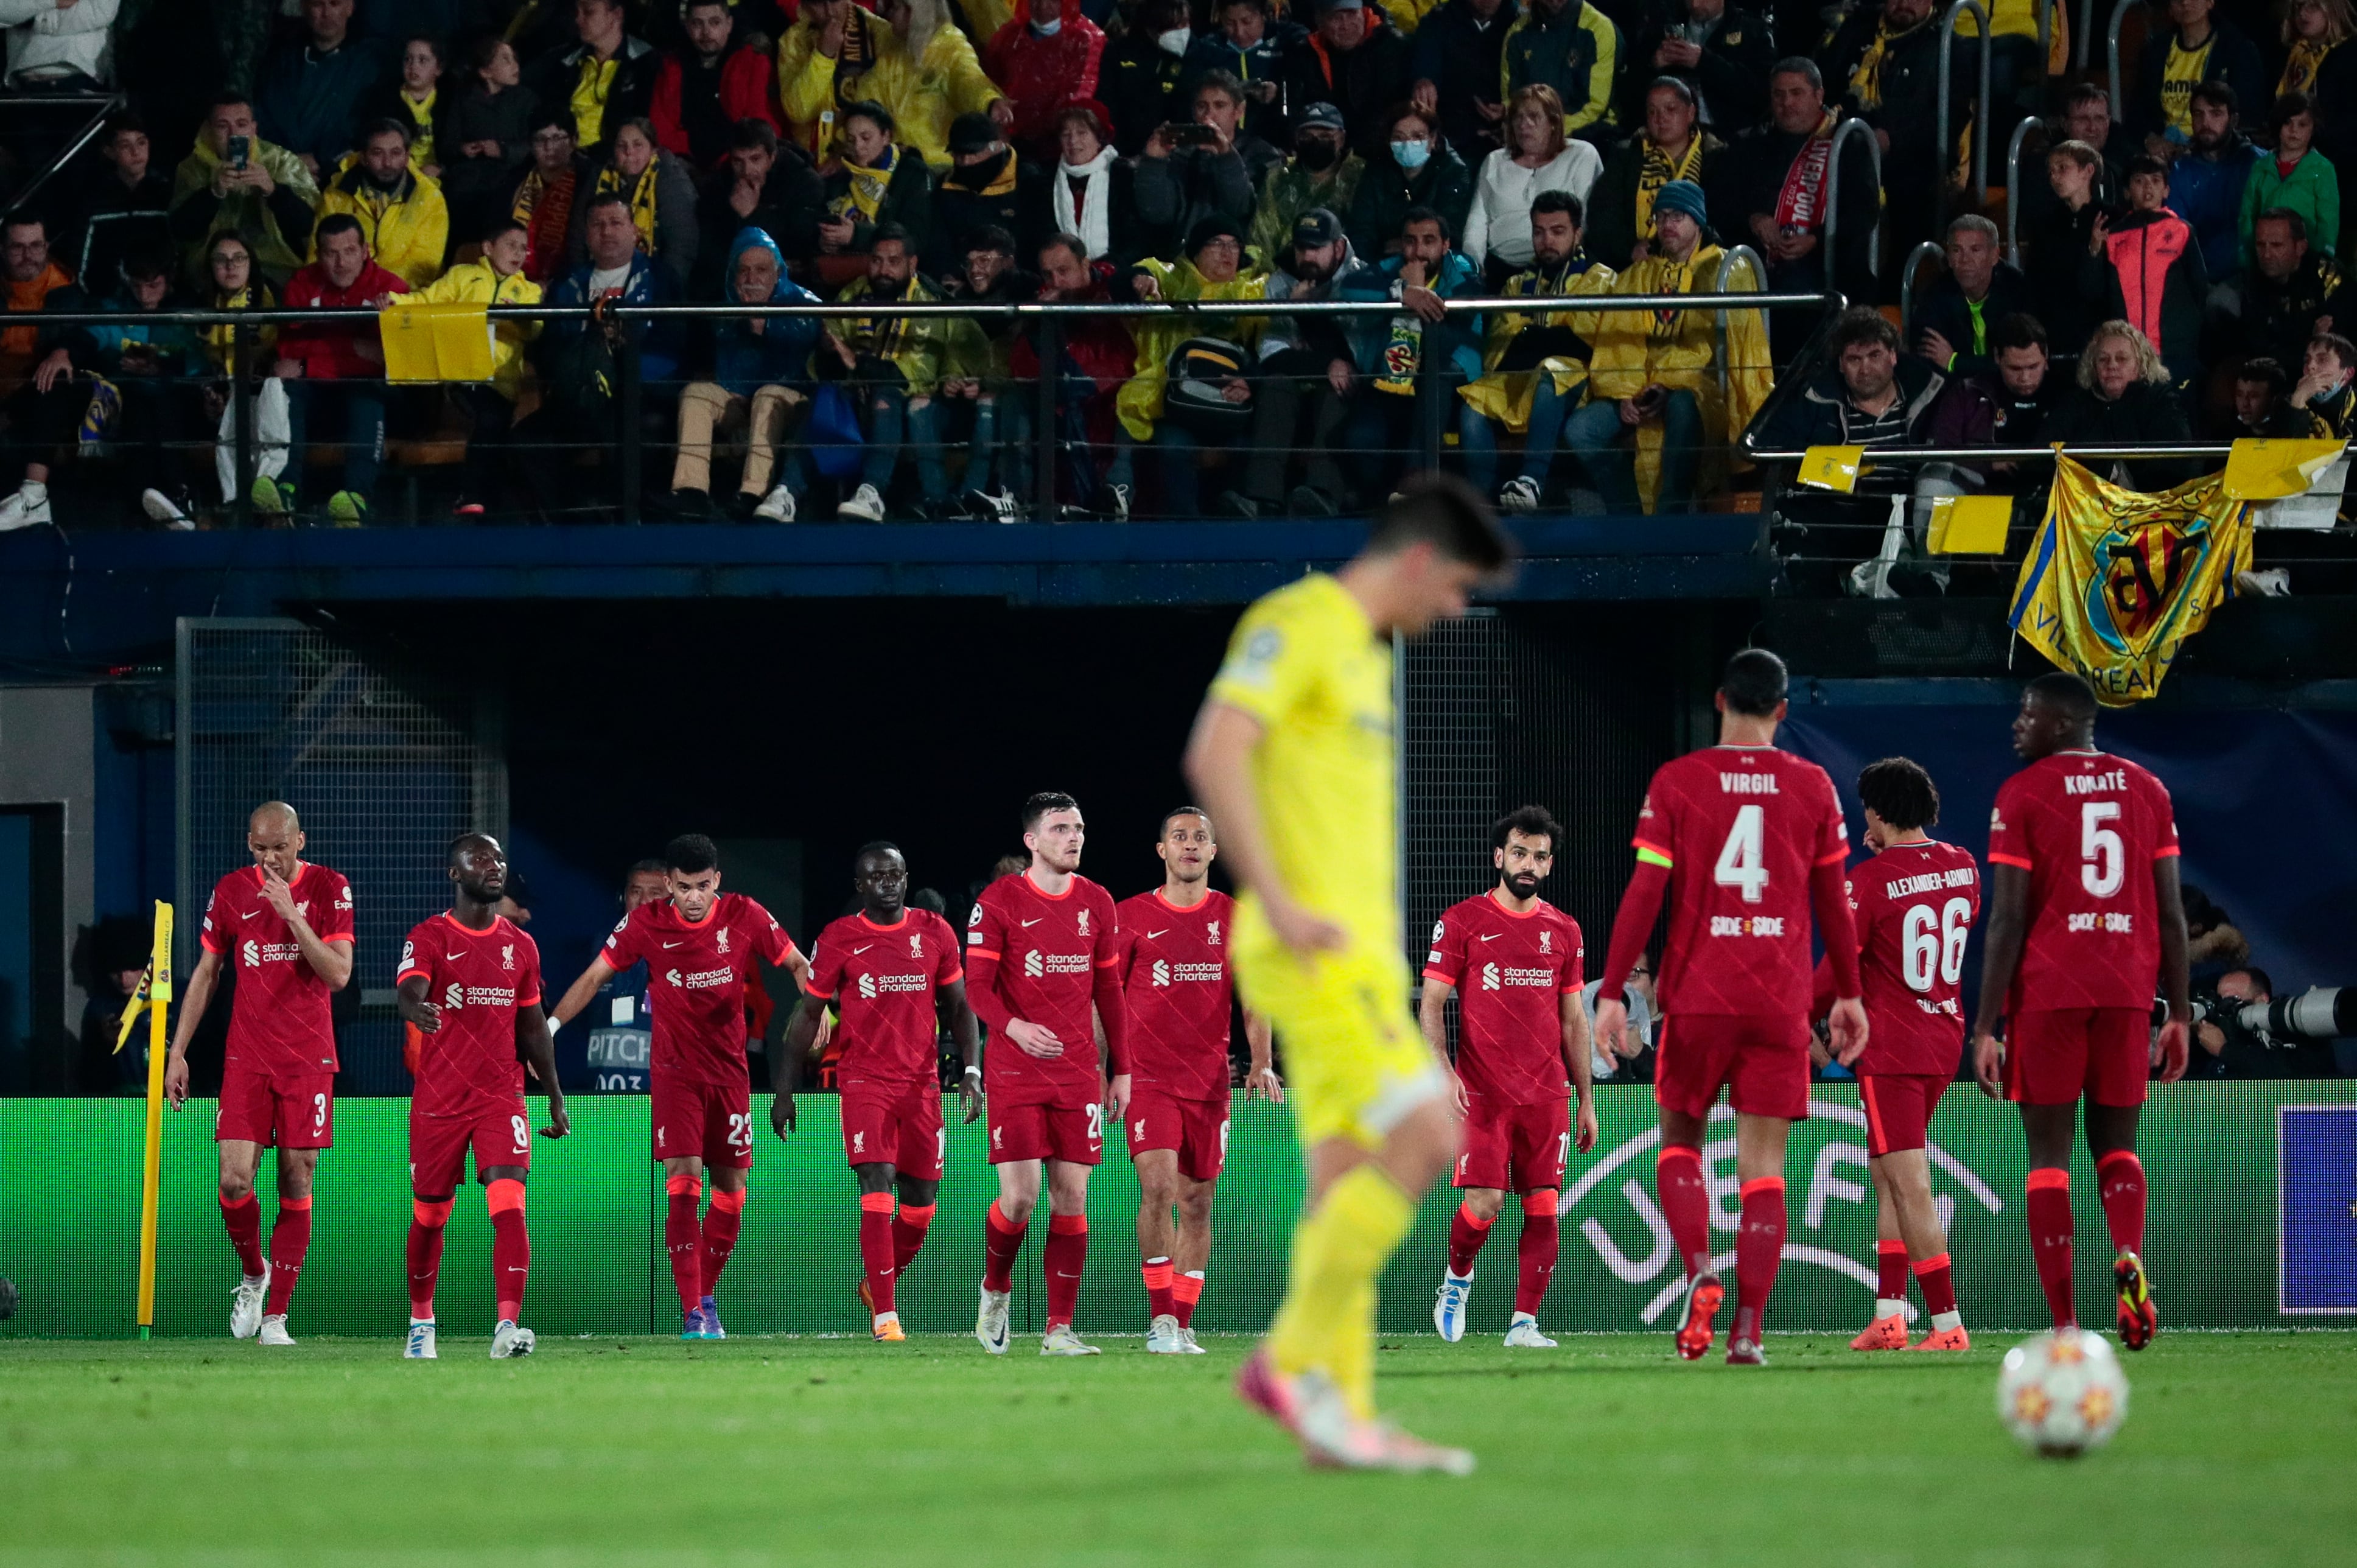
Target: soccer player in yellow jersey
[[1294, 756]]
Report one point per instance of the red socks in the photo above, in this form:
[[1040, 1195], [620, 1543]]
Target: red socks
[[722, 1218], [426, 1228], [1759, 1248], [243, 1219], [1186, 1289], [875, 1250], [1685, 1204], [1890, 1271], [289, 1239], [908, 1228], [1466, 1235], [1542, 1237], [2049, 1207], [2119, 1180], [1067, 1249], [510, 1246], [1939, 1285], [1002, 1241], [684, 1241], [1161, 1300]]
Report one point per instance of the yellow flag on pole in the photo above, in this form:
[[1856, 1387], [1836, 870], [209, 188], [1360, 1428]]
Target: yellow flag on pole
[[2115, 581]]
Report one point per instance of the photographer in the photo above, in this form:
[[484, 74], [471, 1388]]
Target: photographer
[[2229, 1049]]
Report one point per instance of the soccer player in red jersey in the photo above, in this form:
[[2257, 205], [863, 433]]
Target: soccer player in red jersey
[[2085, 919], [1915, 904], [700, 946], [1748, 842], [1512, 961], [469, 985], [1040, 952], [890, 972], [1177, 987], [286, 927]]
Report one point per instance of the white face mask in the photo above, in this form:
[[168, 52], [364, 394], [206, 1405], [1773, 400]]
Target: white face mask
[[1049, 29], [1173, 42]]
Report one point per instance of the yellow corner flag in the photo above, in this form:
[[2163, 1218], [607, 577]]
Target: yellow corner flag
[[153, 997]]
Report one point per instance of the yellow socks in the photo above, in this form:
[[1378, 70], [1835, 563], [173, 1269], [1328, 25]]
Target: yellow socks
[[1327, 1322]]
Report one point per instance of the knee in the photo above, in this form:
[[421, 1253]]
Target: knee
[[1482, 1204], [1195, 1204], [431, 1213], [235, 1188]]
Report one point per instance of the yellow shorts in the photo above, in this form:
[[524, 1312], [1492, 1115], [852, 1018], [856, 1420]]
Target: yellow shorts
[[1355, 1064]]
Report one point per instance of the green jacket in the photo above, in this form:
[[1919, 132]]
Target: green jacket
[[2312, 189], [1291, 190], [276, 226], [924, 349], [1577, 52]]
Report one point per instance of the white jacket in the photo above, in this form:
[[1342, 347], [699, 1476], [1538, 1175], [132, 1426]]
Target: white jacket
[[42, 39], [1499, 223]]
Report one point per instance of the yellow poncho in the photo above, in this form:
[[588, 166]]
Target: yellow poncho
[[1505, 396], [1679, 349], [1140, 404]]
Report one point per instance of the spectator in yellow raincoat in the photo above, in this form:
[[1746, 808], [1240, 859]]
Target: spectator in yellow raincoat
[[1653, 380], [914, 62], [1535, 363], [1212, 268]]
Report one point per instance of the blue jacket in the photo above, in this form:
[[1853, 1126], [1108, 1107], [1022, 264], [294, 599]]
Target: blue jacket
[[1459, 336], [175, 346], [312, 103], [744, 360], [649, 283], [2209, 196]]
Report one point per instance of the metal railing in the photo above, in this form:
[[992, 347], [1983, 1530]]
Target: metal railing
[[2112, 51], [1833, 198], [1046, 320], [1907, 285], [2013, 186], [1987, 47], [103, 107], [1727, 263], [2085, 41]]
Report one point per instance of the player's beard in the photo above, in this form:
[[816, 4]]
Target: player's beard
[[1522, 886]]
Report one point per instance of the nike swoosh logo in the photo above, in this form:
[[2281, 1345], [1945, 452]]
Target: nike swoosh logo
[[1494, 936], [855, 951], [454, 955], [1028, 924], [1163, 933]]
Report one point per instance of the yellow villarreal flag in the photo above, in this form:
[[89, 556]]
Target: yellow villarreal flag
[[2115, 581]]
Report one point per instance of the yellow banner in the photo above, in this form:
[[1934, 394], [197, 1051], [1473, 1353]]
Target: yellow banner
[[2114, 581]]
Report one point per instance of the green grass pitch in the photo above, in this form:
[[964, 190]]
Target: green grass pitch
[[2239, 1448]]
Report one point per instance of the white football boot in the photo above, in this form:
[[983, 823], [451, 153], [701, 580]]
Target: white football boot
[[990, 1321], [421, 1341], [245, 1305]]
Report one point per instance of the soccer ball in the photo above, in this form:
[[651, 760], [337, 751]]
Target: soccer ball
[[2062, 1393]]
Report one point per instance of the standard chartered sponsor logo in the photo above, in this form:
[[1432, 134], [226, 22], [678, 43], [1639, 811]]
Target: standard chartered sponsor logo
[[1037, 963], [1161, 972], [1496, 975], [874, 986], [704, 978], [1642, 1254]]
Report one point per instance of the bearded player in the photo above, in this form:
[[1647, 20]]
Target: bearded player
[[469, 985], [1294, 756], [1512, 961], [1040, 954], [700, 946], [1746, 842], [287, 927], [890, 972], [1178, 989], [2085, 916], [1915, 904]]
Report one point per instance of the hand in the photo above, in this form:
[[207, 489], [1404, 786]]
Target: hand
[[1819, 1054], [287, 370], [1116, 1101], [1262, 1083], [58, 367], [1340, 377], [1612, 1029], [2095, 235], [744, 196], [1882, 137], [782, 1114], [1423, 302], [278, 895], [1302, 931], [1002, 113], [1632, 412], [969, 1097], [425, 1015], [2161, 147], [2169, 1050], [1425, 96], [487, 149], [226, 178], [432, 172], [1034, 1039], [843, 351], [1988, 1065], [1846, 1025], [310, 165], [834, 233], [1935, 349], [176, 1080], [1458, 1097], [1584, 1129], [1764, 229], [1147, 286], [1159, 145], [1235, 389], [559, 1123], [825, 1036], [1677, 52], [1489, 110], [1639, 251], [830, 39], [1262, 92], [1793, 246], [2312, 385]]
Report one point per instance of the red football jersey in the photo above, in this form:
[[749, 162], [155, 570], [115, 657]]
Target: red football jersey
[[1049, 951], [1510, 972], [480, 979], [881, 980], [2087, 827], [279, 1023], [1915, 905], [1176, 981], [699, 969], [1740, 828]]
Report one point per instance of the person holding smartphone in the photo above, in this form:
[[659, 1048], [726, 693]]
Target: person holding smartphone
[[1206, 167], [233, 180]]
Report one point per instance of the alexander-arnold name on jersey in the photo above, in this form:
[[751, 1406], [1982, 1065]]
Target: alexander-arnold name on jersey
[[1930, 882]]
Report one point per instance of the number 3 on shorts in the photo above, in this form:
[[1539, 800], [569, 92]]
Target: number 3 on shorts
[[319, 1113], [1097, 1122]]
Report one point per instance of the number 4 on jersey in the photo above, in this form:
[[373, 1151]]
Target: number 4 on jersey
[[1741, 858]]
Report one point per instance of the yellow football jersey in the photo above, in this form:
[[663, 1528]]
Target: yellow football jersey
[[1306, 663]]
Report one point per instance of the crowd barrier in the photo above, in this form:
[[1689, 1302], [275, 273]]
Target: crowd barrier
[[2251, 1224]]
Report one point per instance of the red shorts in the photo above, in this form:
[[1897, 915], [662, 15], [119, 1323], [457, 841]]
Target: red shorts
[[1197, 1128], [710, 1122], [1898, 1107], [895, 1124], [2054, 1055], [438, 1146], [287, 1112], [1514, 1148], [1069, 1130], [1762, 1062]]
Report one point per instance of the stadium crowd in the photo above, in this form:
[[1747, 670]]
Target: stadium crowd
[[2181, 274]]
